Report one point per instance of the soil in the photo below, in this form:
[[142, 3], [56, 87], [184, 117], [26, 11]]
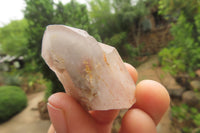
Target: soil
[[153, 41]]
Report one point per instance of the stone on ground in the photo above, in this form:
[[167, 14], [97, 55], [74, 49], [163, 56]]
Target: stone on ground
[[190, 98], [195, 84]]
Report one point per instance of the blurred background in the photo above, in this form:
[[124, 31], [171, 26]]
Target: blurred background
[[161, 38]]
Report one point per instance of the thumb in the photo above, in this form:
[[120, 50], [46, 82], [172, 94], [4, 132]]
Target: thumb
[[68, 116]]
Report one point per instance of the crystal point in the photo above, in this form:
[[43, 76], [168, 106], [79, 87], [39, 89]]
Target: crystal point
[[91, 72]]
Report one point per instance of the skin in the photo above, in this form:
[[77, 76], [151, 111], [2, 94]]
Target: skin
[[67, 116]]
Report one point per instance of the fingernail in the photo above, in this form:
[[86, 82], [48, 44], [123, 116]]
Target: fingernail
[[57, 117]]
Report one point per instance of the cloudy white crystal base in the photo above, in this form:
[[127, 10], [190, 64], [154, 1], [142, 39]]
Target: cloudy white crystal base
[[91, 72]]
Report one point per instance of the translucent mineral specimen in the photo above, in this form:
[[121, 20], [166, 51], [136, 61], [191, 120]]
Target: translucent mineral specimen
[[91, 72]]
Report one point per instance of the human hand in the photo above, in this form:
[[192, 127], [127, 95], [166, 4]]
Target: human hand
[[152, 101]]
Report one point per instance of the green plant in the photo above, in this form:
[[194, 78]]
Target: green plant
[[184, 115], [186, 130], [183, 53], [125, 49], [196, 120], [110, 17], [102, 18], [12, 101], [180, 112], [48, 91], [172, 60], [39, 14], [119, 41], [11, 78], [13, 38]]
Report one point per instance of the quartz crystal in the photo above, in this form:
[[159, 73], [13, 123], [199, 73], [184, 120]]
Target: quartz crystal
[[91, 72]]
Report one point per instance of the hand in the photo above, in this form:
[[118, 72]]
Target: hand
[[67, 116]]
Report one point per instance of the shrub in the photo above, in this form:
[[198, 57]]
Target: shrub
[[119, 41], [12, 78], [187, 118], [48, 91], [125, 49], [12, 101], [172, 60], [184, 49]]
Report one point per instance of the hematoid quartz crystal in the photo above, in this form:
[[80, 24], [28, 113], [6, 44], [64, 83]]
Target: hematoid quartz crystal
[[91, 72]]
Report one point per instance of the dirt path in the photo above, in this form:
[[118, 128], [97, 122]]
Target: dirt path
[[28, 121], [149, 71]]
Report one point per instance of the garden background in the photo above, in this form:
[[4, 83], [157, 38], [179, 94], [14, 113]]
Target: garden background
[[158, 35]]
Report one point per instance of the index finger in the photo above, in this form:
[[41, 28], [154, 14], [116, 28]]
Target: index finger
[[152, 101], [152, 98]]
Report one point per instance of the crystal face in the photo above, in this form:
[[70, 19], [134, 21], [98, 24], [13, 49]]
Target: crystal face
[[91, 72]]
